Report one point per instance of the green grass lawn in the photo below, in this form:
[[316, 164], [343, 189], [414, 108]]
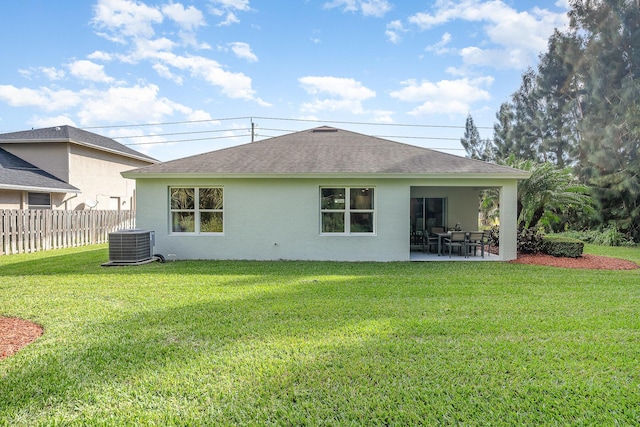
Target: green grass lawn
[[319, 343]]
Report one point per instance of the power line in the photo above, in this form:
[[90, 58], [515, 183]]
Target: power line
[[253, 130], [253, 134], [367, 123], [179, 133], [185, 140], [185, 122], [284, 119]]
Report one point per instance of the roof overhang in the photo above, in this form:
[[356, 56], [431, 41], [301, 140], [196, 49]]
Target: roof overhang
[[439, 176], [39, 189], [80, 143], [119, 153]]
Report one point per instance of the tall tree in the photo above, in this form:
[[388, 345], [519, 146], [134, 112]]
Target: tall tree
[[610, 130], [558, 96], [524, 131], [476, 147], [503, 133]]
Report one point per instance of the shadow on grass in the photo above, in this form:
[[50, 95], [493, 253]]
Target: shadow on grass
[[89, 261], [218, 351], [299, 343]]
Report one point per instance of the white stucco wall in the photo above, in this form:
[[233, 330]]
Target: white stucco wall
[[97, 174], [278, 219], [509, 221], [271, 219]]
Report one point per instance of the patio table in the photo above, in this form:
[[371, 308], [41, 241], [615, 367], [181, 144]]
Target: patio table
[[440, 237]]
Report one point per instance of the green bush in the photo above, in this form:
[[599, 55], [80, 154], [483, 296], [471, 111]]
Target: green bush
[[529, 239], [562, 246], [608, 236]]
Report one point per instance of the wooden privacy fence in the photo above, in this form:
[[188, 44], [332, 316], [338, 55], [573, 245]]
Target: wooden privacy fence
[[42, 229]]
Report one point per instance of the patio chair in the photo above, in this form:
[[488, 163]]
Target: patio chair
[[457, 239], [475, 240], [430, 241]]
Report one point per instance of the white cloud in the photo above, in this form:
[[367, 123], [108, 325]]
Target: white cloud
[[44, 98], [441, 48], [136, 104], [200, 116], [188, 19], [50, 121], [234, 85], [53, 73], [394, 31], [377, 8], [506, 29], [229, 7], [243, 51], [382, 116], [132, 22], [126, 18], [27, 74], [100, 56], [149, 49], [242, 5], [165, 72], [231, 19], [445, 96], [90, 71], [341, 94], [497, 58]]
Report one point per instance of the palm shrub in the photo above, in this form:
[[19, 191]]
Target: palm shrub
[[542, 198]]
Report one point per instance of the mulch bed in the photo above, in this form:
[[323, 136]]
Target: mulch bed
[[17, 333], [593, 262]]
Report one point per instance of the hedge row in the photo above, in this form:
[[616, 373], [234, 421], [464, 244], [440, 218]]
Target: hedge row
[[532, 241], [562, 246]]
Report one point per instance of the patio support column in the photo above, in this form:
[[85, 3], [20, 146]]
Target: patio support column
[[509, 221]]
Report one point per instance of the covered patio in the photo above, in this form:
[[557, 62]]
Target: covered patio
[[440, 206]]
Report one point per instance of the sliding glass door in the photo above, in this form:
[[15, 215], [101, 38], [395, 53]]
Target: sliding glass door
[[426, 213]]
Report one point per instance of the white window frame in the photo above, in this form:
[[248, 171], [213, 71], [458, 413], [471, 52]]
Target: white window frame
[[196, 211], [347, 211]]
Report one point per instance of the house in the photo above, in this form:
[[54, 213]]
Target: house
[[66, 168], [319, 194]]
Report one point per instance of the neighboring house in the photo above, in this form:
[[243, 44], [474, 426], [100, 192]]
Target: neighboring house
[[320, 194], [66, 168]]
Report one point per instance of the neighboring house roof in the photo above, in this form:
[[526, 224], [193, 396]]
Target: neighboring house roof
[[73, 135], [17, 174], [326, 151]]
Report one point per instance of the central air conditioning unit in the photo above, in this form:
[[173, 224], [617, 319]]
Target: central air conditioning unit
[[132, 247]]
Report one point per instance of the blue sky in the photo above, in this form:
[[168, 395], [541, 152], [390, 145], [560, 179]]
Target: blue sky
[[178, 78]]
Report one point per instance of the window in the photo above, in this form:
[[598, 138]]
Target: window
[[39, 200], [197, 210], [347, 210]]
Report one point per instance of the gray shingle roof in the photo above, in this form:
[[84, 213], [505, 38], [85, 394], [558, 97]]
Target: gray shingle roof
[[17, 174], [73, 135], [325, 150]]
